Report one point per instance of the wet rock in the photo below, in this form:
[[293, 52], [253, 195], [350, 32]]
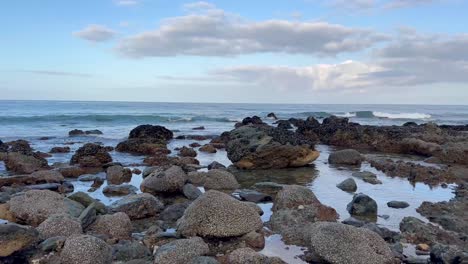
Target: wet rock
[[270, 188], [116, 226], [168, 181], [272, 115], [181, 251], [216, 165], [85, 249], [208, 148], [216, 214], [60, 150], [91, 155], [348, 185], [292, 196], [93, 132], [119, 190], [146, 139], [264, 147], [367, 176], [398, 204], [187, 152], [117, 175], [35, 206], [388, 235], [173, 212], [194, 145], [91, 177], [346, 157], [191, 192], [20, 146], [138, 206], [59, 225], [136, 171], [88, 216], [24, 164], [75, 172], [52, 244], [284, 124], [254, 196], [127, 250], [448, 254], [353, 222], [363, 206], [339, 243], [214, 179], [76, 132], [148, 170], [86, 200], [38, 177], [14, 238]]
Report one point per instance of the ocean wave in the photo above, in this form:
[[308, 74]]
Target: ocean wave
[[368, 114], [402, 115]]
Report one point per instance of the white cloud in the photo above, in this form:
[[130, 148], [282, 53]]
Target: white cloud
[[126, 2], [95, 33], [354, 4], [209, 31], [407, 3]]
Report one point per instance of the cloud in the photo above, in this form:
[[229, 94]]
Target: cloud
[[95, 33], [354, 4], [209, 31], [126, 2], [57, 73], [407, 3]]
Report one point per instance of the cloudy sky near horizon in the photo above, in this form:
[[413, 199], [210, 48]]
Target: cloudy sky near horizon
[[295, 51]]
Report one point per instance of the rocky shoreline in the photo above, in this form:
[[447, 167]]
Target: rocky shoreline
[[183, 212]]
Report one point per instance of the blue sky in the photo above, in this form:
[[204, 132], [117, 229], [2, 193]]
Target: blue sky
[[297, 51]]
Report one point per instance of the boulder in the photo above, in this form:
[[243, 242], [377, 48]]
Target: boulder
[[398, 204], [38, 177], [25, 164], [214, 179], [337, 243], [203, 260], [85, 249], [86, 200], [181, 251], [14, 238], [420, 147], [119, 190], [191, 192], [146, 139], [362, 206], [118, 175], [216, 165], [138, 206], [35, 206], [187, 152], [173, 212], [248, 255], [59, 225], [272, 116], [208, 148], [60, 150], [168, 181], [216, 214], [127, 251], [348, 185], [264, 147], [116, 226], [417, 232], [345, 157], [91, 155], [20, 146], [76, 132]]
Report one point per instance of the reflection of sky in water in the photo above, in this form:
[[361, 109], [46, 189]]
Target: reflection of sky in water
[[275, 247]]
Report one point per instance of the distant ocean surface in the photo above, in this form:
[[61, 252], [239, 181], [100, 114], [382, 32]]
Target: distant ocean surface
[[28, 119]]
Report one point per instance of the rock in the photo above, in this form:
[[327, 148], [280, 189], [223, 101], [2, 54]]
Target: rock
[[194, 145], [76, 132], [146, 139], [168, 181], [91, 177], [86, 200], [35, 206], [52, 244], [254, 120], [149, 131], [448, 254], [181, 251], [85, 249], [173, 212], [362, 206], [292, 196], [136, 171], [127, 250], [264, 147], [272, 115], [74, 171], [339, 243], [14, 238], [60, 150], [191, 192], [216, 214], [187, 152], [353, 222], [38, 177], [116, 226], [208, 148], [348, 185], [119, 190], [91, 155], [203, 260], [419, 147], [367, 176], [59, 225], [248, 255], [148, 170], [214, 179], [88, 216], [284, 124], [93, 132], [254, 196], [24, 164], [417, 232], [138, 206], [216, 165], [117, 175], [398, 204], [346, 157], [199, 128], [270, 188]]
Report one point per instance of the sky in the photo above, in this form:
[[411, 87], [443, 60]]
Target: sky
[[263, 51]]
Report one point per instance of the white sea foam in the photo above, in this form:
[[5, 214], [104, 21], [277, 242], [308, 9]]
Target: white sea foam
[[402, 115]]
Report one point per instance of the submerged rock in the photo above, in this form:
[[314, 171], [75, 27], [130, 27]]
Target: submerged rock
[[367, 176], [119, 190]]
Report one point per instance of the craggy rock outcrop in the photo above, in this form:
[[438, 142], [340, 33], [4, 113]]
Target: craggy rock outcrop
[[20, 163], [337, 243], [15, 238], [138, 206], [181, 251], [91, 155], [171, 180], [86, 249], [265, 147], [146, 139], [218, 215], [35, 206], [214, 179]]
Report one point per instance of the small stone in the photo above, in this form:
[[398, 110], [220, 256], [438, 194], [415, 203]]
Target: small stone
[[348, 185], [398, 204]]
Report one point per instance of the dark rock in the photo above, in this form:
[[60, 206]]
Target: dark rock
[[60, 150], [363, 206], [52, 244], [127, 250], [214, 179], [91, 177], [348, 185], [20, 146], [86, 200], [38, 177], [146, 139], [93, 132], [91, 155], [195, 145], [353, 221], [119, 190], [187, 152], [208, 148], [346, 157], [173, 212], [284, 124], [270, 188], [448, 254], [191, 192], [398, 204], [216, 165], [14, 238], [272, 115], [254, 196], [148, 170], [199, 128], [88, 216], [367, 176], [76, 132]]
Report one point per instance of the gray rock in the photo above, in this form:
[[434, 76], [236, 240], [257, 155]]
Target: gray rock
[[86, 249], [362, 206], [116, 226], [119, 190], [216, 165], [52, 244], [348, 185], [398, 204], [148, 170], [353, 222], [292, 196], [117, 175], [91, 177], [214, 179], [169, 181], [216, 214], [248, 255], [203, 260], [191, 191], [138, 206], [86, 200], [14, 238], [346, 157], [254, 196], [127, 250], [88, 216], [173, 212], [270, 188], [181, 251], [59, 225]]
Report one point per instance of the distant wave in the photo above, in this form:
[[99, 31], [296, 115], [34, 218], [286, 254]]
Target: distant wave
[[109, 119], [402, 115], [368, 114]]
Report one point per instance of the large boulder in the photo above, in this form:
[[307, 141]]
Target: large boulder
[[345, 157], [85, 249], [15, 238], [116, 226], [146, 139], [264, 147], [91, 155], [363, 206], [215, 214], [337, 243], [20, 163], [181, 251], [118, 175], [168, 181], [138, 206], [59, 225], [214, 179], [35, 206]]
